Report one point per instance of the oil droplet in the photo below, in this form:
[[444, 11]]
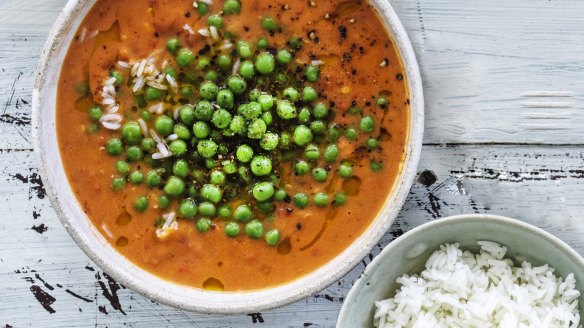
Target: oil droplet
[[213, 284], [122, 241], [284, 248], [351, 186], [124, 218]]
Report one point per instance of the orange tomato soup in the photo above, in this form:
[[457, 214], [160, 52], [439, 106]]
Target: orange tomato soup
[[358, 65]]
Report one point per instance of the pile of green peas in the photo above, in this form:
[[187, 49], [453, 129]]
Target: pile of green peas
[[233, 132]]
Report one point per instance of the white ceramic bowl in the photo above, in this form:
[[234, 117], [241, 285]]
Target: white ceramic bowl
[[409, 253], [102, 253]]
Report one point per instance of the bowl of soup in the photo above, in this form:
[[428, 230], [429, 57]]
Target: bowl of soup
[[227, 156]]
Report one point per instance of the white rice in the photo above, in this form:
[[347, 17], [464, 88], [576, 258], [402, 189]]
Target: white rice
[[170, 225], [189, 29], [214, 33], [463, 289], [204, 32]]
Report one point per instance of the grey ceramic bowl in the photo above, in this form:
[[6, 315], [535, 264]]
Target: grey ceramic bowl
[[101, 252], [409, 253]]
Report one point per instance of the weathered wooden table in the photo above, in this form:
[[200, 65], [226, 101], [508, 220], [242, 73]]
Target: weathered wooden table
[[504, 87]]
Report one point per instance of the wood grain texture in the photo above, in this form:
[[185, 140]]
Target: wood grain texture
[[494, 72]]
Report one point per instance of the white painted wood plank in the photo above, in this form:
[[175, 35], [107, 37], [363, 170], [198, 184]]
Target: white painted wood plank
[[539, 184]]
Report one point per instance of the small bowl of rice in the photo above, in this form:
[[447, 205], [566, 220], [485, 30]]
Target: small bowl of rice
[[469, 271]]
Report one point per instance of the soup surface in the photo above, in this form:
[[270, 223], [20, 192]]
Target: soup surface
[[163, 104]]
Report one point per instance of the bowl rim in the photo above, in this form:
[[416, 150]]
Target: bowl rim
[[452, 220], [308, 284]]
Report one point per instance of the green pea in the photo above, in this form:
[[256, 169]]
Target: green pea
[[244, 49], [263, 191], [351, 134], [295, 43], [231, 7], [285, 140], [131, 133], [331, 152], [163, 202], [164, 125], [225, 99], [261, 165], [340, 199], [153, 179], [207, 148], [300, 200], [224, 211], [122, 167], [256, 129], [203, 110], [301, 168], [320, 199], [236, 84], [291, 93], [266, 102], [284, 57], [376, 166], [346, 170], [269, 141], [265, 63], [312, 73], [267, 118], [215, 20], [118, 184], [319, 174], [333, 133], [286, 110], [114, 147], [229, 166], [153, 94], [136, 177], [311, 152], [217, 178], [237, 124], [221, 118], [246, 70], [302, 135], [367, 124], [212, 193], [232, 229], [243, 213], [202, 8], [263, 43], [173, 44], [244, 153], [118, 76], [254, 94], [95, 113], [250, 110], [141, 204], [186, 91], [185, 57], [254, 229], [203, 63], [318, 127], [82, 88], [134, 153], [188, 209], [182, 132], [174, 186], [93, 128], [320, 111], [201, 129], [211, 76], [180, 168], [272, 237], [207, 209], [372, 143], [145, 115], [382, 102], [224, 62], [208, 90], [187, 114], [309, 94], [204, 224], [244, 173], [280, 195], [178, 147], [304, 115], [270, 25]]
